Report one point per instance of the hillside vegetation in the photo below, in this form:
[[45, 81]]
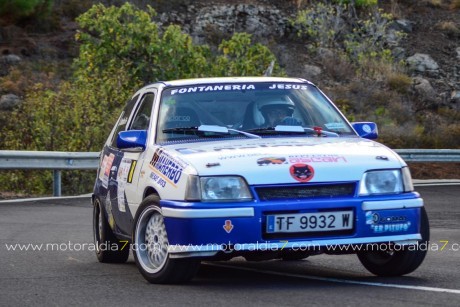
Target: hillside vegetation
[[68, 67]]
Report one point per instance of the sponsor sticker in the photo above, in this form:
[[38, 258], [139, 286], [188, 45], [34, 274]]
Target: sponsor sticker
[[122, 179], [391, 223], [238, 147], [158, 179], [398, 227], [213, 88], [168, 168], [239, 156], [187, 151], [367, 128], [228, 226], [105, 169], [108, 208], [284, 86], [302, 172], [335, 126], [271, 161], [317, 158]]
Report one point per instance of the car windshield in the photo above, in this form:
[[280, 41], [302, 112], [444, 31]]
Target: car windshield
[[241, 110]]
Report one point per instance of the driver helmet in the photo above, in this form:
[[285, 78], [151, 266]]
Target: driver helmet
[[262, 107]]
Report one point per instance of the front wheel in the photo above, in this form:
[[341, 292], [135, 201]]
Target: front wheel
[[150, 248], [397, 262]]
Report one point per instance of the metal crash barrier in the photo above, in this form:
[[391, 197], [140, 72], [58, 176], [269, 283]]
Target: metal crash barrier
[[49, 160], [59, 161]]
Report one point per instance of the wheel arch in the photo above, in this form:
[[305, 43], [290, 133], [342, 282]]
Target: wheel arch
[[150, 191]]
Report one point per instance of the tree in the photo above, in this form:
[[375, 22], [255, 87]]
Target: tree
[[121, 49]]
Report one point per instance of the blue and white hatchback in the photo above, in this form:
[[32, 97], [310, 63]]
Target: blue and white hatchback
[[264, 168]]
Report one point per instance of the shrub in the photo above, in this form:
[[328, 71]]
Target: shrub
[[369, 38], [449, 27], [399, 82], [242, 58], [359, 3], [339, 67], [328, 25], [15, 9], [322, 24]]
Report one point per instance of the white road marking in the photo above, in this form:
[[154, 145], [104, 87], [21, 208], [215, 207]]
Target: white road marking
[[20, 200], [337, 280]]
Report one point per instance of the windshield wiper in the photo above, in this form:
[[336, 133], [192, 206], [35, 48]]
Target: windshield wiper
[[221, 129], [294, 129], [210, 128]]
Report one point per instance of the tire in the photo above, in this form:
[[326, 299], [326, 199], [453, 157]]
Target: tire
[[151, 247], [400, 262], [108, 248]]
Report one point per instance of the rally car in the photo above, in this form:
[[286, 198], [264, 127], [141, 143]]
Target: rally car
[[264, 168]]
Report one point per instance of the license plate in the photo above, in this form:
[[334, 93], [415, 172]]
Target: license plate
[[309, 222]]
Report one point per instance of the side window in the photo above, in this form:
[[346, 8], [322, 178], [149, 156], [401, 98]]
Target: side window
[[121, 125], [142, 118]]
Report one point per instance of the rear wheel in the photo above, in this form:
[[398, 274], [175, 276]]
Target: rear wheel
[[400, 261], [151, 247], [108, 248]]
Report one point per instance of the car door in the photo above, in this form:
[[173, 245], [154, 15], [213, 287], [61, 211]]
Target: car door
[[124, 165]]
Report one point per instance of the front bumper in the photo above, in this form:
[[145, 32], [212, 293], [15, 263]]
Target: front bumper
[[205, 229]]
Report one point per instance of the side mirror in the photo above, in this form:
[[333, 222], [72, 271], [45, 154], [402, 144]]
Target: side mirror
[[132, 139], [367, 130]]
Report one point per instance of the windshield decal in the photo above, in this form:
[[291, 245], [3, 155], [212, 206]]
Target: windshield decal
[[335, 126], [213, 88], [283, 86]]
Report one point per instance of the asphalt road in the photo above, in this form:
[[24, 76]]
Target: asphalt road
[[75, 277]]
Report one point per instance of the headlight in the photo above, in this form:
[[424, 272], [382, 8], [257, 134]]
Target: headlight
[[381, 182], [224, 188]]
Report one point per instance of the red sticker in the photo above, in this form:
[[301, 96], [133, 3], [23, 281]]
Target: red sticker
[[228, 226], [302, 172]]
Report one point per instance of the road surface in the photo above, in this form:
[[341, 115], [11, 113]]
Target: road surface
[[73, 276]]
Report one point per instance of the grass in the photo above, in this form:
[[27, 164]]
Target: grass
[[449, 27]]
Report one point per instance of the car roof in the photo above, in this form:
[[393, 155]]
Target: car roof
[[216, 80]]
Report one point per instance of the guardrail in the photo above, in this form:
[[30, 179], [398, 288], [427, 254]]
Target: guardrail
[[59, 161], [49, 160], [429, 155]]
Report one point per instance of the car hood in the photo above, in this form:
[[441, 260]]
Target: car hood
[[286, 160]]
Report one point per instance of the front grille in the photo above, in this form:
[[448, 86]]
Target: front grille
[[305, 191]]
